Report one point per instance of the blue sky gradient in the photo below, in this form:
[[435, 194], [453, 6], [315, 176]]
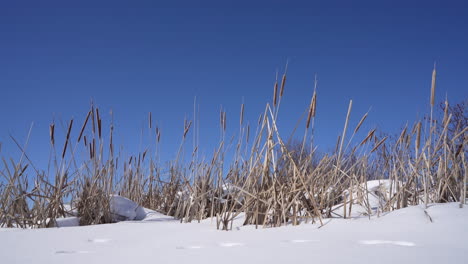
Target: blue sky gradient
[[55, 57]]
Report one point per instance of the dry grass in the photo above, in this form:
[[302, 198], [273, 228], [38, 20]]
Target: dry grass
[[268, 179]]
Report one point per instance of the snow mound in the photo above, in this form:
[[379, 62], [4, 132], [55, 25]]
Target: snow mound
[[124, 209], [67, 221]]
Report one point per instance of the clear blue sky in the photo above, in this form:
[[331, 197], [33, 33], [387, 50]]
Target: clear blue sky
[[150, 56]]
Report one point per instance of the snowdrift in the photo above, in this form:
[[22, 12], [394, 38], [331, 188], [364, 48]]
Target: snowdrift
[[410, 235]]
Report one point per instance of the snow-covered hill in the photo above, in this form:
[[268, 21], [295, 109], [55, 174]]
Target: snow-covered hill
[[409, 235]]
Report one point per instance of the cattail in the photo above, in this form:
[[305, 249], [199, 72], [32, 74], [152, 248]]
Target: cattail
[[275, 91], [94, 147], [260, 118], [225, 120], [418, 135], [402, 136], [378, 144], [84, 126], [99, 127], [92, 113], [369, 136], [242, 115], [97, 114], [446, 110], [67, 138], [283, 83], [248, 133], [111, 144], [52, 133], [144, 154], [433, 86], [187, 126], [360, 123], [221, 118], [98, 119], [158, 134], [85, 141], [149, 120], [313, 103]]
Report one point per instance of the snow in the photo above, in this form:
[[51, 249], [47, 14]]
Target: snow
[[377, 195], [123, 208], [404, 236], [68, 221]]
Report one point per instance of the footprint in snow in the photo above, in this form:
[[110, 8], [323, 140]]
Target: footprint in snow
[[70, 252], [300, 241], [190, 247], [379, 242], [99, 240], [230, 244]]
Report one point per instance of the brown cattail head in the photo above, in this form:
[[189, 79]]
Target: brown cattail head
[[446, 110], [91, 151], [99, 127], [369, 136], [260, 118], [378, 144], [98, 119], [52, 133], [283, 83], [70, 125], [418, 135], [149, 120], [283, 79], [187, 125], [275, 92], [92, 115], [224, 121], [360, 123], [313, 103], [158, 134], [84, 126], [402, 136], [221, 117], [97, 114], [433, 85], [111, 141], [308, 118], [94, 147], [242, 115]]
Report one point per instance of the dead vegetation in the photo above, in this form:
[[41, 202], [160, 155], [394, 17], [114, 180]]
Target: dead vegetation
[[268, 179]]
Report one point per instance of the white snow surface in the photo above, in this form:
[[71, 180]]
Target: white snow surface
[[403, 236]]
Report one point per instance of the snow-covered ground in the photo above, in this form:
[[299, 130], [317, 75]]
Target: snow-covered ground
[[403, 236]]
